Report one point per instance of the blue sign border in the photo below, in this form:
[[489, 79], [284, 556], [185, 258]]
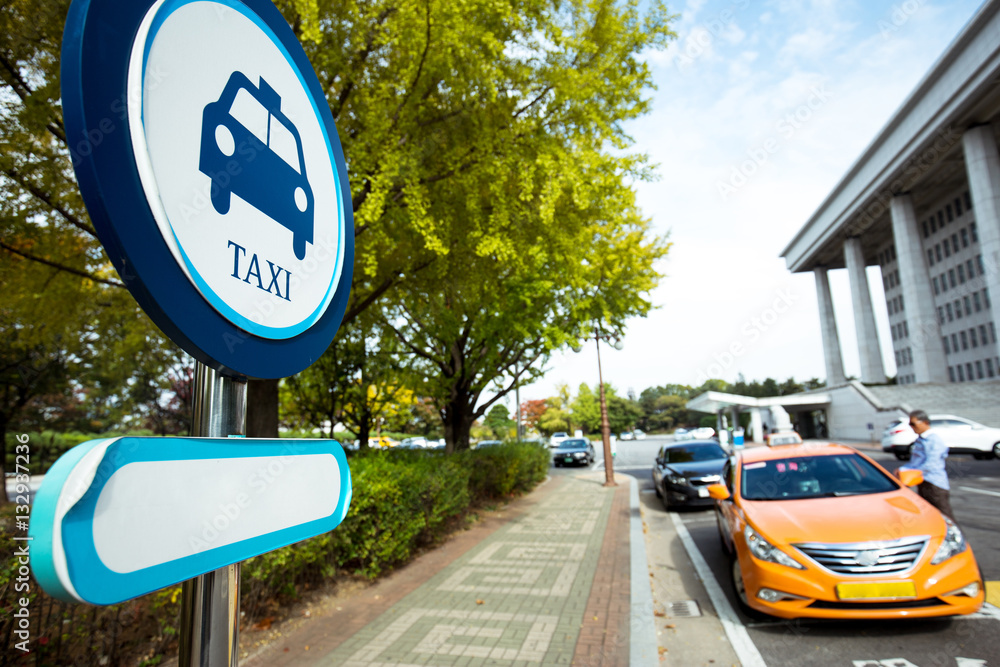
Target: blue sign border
[[97, 45], [94, 582]]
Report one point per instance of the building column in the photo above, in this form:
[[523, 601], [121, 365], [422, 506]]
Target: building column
[[828, 326], [756, 425], [929, 364], [982, 162], [872, 369]]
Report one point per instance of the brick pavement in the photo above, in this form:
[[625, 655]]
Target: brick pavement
[[546, 585]]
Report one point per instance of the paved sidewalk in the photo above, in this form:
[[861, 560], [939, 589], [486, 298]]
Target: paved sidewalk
[[550, 585]]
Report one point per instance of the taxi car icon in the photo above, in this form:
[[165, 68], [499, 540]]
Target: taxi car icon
[[251, 149]]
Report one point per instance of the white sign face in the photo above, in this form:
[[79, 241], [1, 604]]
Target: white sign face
[[178, 509], [236, 165]]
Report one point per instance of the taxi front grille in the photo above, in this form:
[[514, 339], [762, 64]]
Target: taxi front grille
[[869, 606], [867, 558]]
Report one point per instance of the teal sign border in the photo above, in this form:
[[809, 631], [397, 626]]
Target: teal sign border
[[94, 582]]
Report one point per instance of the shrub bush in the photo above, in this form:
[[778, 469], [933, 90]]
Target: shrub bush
[[402, 501]]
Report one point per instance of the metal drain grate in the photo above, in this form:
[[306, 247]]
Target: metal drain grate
[[683, 609]]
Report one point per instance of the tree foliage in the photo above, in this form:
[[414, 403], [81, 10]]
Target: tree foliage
[[499, 422], [537, 235], [355, 382], [485, 146], [531, 413], [623, 413], [75, 350]]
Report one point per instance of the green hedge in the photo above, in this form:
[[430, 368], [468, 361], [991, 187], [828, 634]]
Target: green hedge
[[402, 501]]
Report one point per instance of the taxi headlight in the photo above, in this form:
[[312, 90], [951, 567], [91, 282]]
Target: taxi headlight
[[677, 480], [972, 590], [766, 551], [771, 595], [953, 544]]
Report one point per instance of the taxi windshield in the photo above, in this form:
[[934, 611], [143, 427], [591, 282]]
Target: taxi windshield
[[800, 477]]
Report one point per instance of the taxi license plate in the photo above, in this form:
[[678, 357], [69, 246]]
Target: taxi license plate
[[884, 591], [703, 493]]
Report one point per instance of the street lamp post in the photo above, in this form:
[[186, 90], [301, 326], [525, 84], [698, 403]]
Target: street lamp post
[[609, 466]]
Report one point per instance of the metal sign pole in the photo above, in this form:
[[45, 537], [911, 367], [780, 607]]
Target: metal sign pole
[[210, 604]]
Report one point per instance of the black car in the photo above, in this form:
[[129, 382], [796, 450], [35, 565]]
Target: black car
[[574, 451], [683, 471]]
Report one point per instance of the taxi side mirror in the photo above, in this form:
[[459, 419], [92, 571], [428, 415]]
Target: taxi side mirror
[[718, 491], [911, 477]]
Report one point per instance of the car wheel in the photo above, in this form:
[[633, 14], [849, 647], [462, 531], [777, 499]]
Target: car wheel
[[221, 199], [736, 577], [996, 450]]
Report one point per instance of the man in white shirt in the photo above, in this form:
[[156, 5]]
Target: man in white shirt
[[928, 455]]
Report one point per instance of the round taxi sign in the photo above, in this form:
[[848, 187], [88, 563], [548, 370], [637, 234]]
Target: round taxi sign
[[210, 165]]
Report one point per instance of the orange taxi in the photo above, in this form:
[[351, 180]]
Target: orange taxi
[[823, 531]]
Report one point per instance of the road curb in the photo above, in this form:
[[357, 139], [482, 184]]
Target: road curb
[[643, 648]]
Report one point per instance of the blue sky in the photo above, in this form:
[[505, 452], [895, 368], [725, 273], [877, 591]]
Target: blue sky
[[761, 108]]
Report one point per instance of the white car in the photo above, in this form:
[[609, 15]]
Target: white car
[[963, 436], [558, 437], [638, 434], [703, 433]]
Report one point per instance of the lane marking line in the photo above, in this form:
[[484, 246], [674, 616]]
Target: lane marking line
[[983, 491], [737, 633]]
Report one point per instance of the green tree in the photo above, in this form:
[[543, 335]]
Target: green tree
[[355, 382], [623, 414], [537, 186], [441, 108], [554, 420], [587, 408], [663, 407], [499, 422], [664, 412]]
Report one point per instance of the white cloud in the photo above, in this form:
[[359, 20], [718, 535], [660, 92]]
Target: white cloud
[[709, 120]]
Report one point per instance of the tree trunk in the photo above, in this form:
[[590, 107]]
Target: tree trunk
[[457, 417], [364, 430], [262, 408]]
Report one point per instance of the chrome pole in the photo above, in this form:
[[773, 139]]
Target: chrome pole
[[210, 604]]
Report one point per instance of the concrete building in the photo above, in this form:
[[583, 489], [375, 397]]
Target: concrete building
[[921, 203]]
